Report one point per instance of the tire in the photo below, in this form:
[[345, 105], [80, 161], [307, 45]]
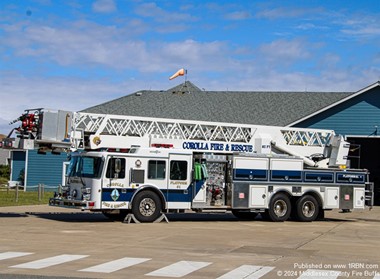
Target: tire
[[146, 206], [279, 208], [307, 208], [244, 215]]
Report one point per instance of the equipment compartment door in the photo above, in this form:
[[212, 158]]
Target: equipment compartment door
[[359, 198], [332, 197], [258, 196]]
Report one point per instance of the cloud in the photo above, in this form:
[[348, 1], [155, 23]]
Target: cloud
[[77, 43], [238, 15], [356, 26], [54, 93], [158, 14], [362, 31], [104, 6], [85, 44], [285, 51], [311, 26], [289, 12]]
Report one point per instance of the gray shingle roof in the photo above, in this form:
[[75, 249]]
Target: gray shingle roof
[[186, 101]]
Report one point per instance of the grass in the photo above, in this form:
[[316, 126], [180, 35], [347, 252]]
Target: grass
[[8, 198]]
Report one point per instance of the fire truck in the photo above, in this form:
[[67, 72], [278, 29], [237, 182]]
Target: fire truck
[[141, 167]]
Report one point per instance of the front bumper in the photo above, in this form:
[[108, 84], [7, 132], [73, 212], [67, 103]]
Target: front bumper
[[69, 203]]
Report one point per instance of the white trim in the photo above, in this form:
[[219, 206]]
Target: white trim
[[65, 165], [26, 170], [11, 165], [178, 205], [365, 89]]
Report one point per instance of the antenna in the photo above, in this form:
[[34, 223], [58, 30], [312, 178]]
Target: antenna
[[184, 88]]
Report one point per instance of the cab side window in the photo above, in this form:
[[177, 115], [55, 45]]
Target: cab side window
[[156, 169], [178, 170], [111, 172]]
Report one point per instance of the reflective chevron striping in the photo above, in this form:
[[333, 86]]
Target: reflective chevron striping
[[179, 269], [10, 255], [247, 272], [320, 273], [116, 265], [50, 261]]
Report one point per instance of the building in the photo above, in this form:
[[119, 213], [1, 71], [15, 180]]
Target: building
[[31, 169], [4, 153], [355, 115]]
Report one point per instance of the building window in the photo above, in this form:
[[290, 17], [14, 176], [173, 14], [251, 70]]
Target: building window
[[156, 169]]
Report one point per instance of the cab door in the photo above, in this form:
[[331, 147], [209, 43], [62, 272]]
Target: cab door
[[179, 188], [114, 191]]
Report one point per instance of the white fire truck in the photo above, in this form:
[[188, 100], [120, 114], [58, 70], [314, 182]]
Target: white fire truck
[[142, 167]]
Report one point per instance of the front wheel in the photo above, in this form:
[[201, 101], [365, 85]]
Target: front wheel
[[307, 209], [146, 206], [279, 208]]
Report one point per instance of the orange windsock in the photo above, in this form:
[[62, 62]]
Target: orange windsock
[[180, 72]]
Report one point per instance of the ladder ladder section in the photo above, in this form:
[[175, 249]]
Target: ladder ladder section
[[307, 137], [121, 126], [140, 127]]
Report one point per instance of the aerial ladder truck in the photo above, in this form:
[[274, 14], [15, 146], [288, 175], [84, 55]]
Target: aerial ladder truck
[[142, 167]]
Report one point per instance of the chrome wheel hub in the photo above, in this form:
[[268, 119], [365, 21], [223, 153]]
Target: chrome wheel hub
[[280, 208], [147, 207]]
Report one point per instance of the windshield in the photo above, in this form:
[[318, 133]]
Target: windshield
[[83, 166]]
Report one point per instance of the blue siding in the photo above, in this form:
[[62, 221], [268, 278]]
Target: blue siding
[[357, 116], [45, 169], [18, 164]]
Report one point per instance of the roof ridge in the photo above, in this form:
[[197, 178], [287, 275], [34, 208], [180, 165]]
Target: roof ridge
[[185, 87]]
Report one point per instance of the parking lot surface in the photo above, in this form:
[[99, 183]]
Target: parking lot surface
[[53, 242]]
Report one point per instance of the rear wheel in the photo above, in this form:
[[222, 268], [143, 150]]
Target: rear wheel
[[307, 208], [146, 206], [279, 208]]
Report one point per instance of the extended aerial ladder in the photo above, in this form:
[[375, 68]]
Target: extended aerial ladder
[[62, 130], [317, 147]]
